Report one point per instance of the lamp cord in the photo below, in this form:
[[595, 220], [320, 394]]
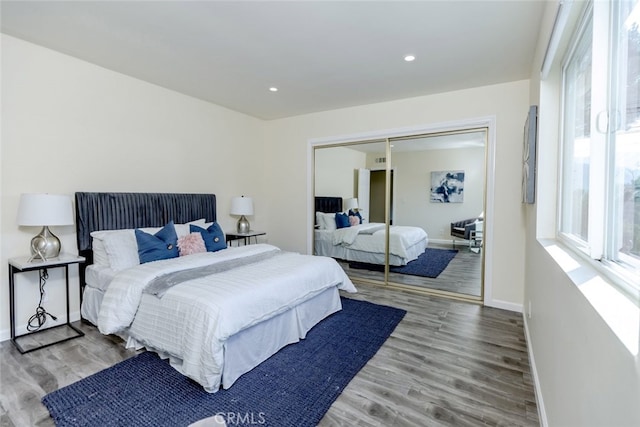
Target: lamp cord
[[37, 320]]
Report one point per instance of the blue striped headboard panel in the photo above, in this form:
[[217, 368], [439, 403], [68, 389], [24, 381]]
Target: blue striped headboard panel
[[328, 204], [113, 211]]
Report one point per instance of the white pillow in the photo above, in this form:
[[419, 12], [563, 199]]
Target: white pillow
[[122, 249], [328, 221], [100, 256], [319, 221], [199, 222], [183, 229]]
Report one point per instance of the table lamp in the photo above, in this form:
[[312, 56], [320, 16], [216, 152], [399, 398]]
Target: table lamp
[[351, 204], [242, 206], [44, 210]]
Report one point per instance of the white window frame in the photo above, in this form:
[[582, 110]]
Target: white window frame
[[598, 248]]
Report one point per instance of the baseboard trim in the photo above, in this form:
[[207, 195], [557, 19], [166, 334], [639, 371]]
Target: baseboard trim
[[449, 242], [542, 414], [504, 305]]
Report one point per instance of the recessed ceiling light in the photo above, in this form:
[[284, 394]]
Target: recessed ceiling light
[[273, 89], [409, 58]]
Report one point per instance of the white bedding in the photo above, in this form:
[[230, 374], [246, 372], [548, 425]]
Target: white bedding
[[99, 276], [405, 242], [193, 320], [97, 280]]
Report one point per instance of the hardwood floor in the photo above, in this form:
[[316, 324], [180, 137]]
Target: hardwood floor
[[448, 363]]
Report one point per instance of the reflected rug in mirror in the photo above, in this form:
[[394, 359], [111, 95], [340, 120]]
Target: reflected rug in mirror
[[430, 263], [295, 387]]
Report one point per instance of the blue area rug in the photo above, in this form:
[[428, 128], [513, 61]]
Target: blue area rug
[[430, 263], [295, 387]]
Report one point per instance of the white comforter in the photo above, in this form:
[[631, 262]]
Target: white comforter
[[400, 238], [205, 312]]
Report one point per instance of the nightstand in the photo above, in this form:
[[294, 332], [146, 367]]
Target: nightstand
[[22, 265], [246, 236]]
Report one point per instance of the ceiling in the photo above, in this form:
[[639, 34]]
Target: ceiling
[[321, 55]]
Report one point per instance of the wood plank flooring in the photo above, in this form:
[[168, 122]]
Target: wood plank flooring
[[448, 363], [463, 274]]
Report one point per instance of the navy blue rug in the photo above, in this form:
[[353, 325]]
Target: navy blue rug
[[295, 387], [430, 263]]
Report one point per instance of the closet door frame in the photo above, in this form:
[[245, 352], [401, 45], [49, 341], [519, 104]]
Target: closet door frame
[[488, 122]]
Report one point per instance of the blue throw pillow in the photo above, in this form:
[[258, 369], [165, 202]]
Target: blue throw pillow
[[352, 213], [154, 247], [213, 236], [342, 220]]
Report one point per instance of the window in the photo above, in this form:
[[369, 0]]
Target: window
[[600, 185], [577, 140]]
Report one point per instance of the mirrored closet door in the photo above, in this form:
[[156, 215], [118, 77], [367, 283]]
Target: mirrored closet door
[[405, 212]]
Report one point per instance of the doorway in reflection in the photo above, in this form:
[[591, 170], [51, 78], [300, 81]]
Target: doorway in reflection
[[377, 200]]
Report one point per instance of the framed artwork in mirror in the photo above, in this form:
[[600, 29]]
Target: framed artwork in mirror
[[447, 187]]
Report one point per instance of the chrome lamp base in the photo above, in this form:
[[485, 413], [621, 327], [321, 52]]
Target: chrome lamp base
[[243, 225], [45, 245]]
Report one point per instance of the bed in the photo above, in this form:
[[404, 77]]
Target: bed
[[364, 242], [214, 315]]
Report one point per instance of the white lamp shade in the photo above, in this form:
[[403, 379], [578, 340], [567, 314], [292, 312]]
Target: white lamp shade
[[45, 209], [351, 203], [242, 206]]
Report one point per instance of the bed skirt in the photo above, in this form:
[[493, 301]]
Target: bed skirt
[[327, 248], [250, 347]]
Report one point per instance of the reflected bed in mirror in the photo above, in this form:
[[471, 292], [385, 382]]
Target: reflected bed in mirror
[[363, 242]]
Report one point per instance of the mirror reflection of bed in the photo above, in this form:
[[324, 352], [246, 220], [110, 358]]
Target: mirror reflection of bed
[[363, 241], [343, 173]]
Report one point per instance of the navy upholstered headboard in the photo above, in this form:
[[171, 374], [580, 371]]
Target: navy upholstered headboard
[[328, 204]]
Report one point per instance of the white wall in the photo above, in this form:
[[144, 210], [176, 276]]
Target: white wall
[[335, 174], [413, 180], [585, 375], [289, 139], [69, 126]]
